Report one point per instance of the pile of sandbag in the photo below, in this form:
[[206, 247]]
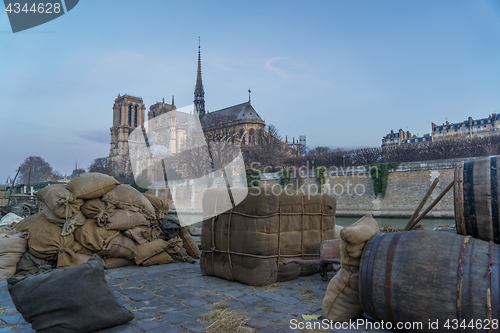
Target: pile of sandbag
[[95, 214]]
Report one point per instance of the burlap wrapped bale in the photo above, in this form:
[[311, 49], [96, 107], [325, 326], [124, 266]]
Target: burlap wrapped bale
[[91, 185], [93, 236], [140, 234], [60, 200], [68, 225], [69, 300], [161, 206], [13, 244], [123, 220], [250, 243], [110, 263], [149, 249], [341, 302], [97, 209], [161, 258], [120, 247], [189, 244], [45, 242]]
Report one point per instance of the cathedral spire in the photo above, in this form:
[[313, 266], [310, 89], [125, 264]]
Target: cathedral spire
[[199, 93]]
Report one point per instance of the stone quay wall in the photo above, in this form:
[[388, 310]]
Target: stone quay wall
[[352, 186]]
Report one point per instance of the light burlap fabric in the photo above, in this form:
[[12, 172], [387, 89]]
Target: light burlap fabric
[[97, 209], [45, 242], [161, 206], [93, 236], [110, 263], [68, 225], [250, 243], [120, 247], [158, 259], [128, 198], [124, 220], [91, 185], [189, 244], [341, 302], [60, 200], [149, 249], [140, 235], [13, 244]]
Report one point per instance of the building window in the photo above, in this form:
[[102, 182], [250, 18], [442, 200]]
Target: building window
[[135, 117], [130, 114]]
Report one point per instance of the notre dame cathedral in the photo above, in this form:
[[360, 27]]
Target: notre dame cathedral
[[129, 113]]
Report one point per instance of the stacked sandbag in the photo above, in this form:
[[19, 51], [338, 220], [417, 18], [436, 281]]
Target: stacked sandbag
[[95, 214], [60, 207], [13, 244], [341, 302], [250, 242]]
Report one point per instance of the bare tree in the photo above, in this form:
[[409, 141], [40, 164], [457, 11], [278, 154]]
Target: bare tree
[[101, 165], [40, 170]]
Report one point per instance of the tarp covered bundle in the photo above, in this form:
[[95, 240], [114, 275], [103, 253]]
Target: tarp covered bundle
[[250, 242]]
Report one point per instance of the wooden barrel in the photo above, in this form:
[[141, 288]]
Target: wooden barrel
[[426, 276], [476, 199]]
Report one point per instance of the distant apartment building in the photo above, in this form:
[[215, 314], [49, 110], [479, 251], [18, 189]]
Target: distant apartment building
[[467, 129]]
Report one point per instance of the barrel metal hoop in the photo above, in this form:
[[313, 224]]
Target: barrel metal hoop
[[388, 274], [494, 200], [464, 281], [366, 278], [470, 213], [495, 280]]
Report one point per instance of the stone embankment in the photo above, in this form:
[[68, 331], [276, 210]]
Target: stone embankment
[[353, 187]]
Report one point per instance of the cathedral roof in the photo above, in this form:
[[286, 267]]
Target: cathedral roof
[[240, 112]]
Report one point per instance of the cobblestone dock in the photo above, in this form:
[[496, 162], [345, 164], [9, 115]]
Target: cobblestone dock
[[171, 298]]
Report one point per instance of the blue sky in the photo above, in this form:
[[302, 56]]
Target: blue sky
[[343, 73]]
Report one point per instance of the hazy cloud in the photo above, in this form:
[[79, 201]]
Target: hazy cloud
[[273, 69], [98, 136]]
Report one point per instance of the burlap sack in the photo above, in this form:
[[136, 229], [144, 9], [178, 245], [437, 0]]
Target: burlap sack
[[27, 224], [93, 236], [128, 198], [158, 259], [149, 249], [69, 300], [97, 209], [140, 234], [60, 200], [91, 185], [123, 220], [120, 247], [161, 206], [189, 244], [68, 225], [250, 242], [341, 302], [13, 244], [45, 242], [110, 263]]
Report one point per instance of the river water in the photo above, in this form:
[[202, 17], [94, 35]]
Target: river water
[[398, 223]]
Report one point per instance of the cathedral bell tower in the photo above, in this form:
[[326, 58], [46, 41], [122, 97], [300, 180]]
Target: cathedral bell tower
[[128, 113], [199, 93]]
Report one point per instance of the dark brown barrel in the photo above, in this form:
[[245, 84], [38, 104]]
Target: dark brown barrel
[[476, 199], [424, 276]]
